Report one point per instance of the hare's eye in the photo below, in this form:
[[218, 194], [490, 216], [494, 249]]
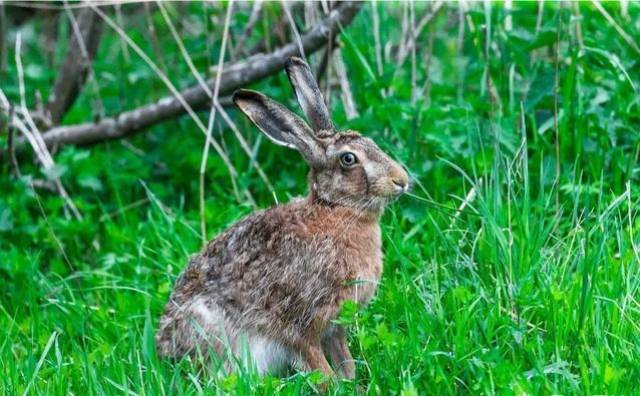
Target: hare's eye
[[348, 159]]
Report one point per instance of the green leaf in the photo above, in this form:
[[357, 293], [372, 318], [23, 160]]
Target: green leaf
[[90, 182], [6, 219], [55, 172]]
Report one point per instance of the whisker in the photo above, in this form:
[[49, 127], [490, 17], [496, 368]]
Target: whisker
[[441, 207]]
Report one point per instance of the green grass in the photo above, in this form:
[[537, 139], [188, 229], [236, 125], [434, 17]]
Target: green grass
[[531, 289]]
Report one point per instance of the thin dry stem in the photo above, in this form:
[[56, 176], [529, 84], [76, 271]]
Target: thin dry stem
[[347, 96], [256, 11], [214, 97], [294, 29], [33, 135]]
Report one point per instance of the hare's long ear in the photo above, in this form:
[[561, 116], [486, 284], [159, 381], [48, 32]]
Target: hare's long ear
[[308, 94], [279, 124]]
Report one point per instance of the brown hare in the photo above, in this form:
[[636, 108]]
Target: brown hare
[[275, 281]]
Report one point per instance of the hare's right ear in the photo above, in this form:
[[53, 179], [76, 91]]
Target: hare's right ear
[[279, 124], [308, 94]]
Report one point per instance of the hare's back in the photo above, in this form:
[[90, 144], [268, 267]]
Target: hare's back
[[270, 261]]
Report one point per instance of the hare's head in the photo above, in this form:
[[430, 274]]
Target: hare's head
[[346, 168]]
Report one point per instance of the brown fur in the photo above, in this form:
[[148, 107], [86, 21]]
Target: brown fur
[[278, 277]]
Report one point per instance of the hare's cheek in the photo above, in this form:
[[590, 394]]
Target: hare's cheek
[[349, 183], [360, 181]]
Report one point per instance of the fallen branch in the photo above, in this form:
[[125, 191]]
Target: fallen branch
[[233, 77]]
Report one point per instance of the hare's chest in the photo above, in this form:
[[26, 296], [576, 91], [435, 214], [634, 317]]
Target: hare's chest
[[364, 269], [365, 280]]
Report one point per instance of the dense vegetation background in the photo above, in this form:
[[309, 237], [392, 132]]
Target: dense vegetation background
[[512, 268]]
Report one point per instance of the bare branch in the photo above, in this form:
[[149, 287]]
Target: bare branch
[[82, 49], [234, 76]]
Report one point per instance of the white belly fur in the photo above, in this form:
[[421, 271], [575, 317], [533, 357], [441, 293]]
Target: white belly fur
[[270, 357]]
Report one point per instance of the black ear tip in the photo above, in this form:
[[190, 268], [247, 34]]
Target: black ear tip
[[294, 61], [238, 95], [243, 95]]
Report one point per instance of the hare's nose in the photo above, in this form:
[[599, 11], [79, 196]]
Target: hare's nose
[[400, 184]]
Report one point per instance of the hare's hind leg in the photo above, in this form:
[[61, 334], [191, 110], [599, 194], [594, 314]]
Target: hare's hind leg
[[311, 358], [197, 327], [334, 344]]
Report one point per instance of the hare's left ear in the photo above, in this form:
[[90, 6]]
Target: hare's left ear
[[280, 124], [309, 95]]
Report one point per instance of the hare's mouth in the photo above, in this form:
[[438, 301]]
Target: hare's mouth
[[391, 189]]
